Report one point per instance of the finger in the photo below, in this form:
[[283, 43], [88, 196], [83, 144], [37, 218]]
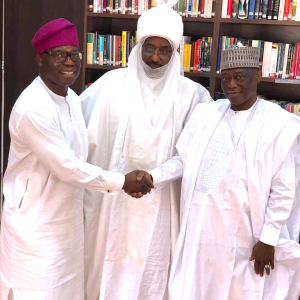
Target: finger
[[261, 269], [256, 267], [268, 270], [134, 195], [251, 258], [146, 189], [140, 194], [272, 264], [140, 175], [149, 184]]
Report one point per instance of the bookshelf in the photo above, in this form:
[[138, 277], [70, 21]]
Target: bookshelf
[[268, 30]]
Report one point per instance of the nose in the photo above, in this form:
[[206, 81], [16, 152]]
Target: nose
[[232, 84], [155, 57], [69, 61]]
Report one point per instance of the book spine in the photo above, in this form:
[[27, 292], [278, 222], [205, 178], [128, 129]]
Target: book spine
[[256, 10], [127, 47], [289, 61], [189, 52], [224, 9], [276, 9], [98, 51], [219, 55], [243, 9], [290, 10], [251, 9], [285, 60], [95, 48], [294, 9], [286, 9], [278, 61], [264, 9], [297, 18], [90, 6], [260, 9], [124, 44], [101, 50], [234, 9], [270, 9], [192, 58], [229, 8], [95, 6], [202, 8], [297, 64], [197, 55], [129, 7], [185, 54], [105, 50], [282, 58], [89, 48], [281, 9], [292, 67], [213, 8]]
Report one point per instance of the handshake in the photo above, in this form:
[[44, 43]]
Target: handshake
[[138, 183]]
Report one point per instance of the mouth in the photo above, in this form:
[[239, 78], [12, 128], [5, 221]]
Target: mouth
[[153, 66], [68, 73], [233, 93]]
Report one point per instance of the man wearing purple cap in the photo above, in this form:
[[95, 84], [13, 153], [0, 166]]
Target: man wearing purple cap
[[41, 256]]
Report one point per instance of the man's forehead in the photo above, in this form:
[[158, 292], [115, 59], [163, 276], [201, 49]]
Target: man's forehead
[[155, 40], [238, 71]]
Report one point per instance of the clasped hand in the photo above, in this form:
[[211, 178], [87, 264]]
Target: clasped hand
[[138, 183]]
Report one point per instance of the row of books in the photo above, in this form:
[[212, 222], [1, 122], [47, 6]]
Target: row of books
[[187, 8], [110, 50], [278, 60], [293, 108], [196, 56], [262, 9]]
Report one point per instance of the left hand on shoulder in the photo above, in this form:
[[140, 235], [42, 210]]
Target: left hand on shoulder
[[263, 255]]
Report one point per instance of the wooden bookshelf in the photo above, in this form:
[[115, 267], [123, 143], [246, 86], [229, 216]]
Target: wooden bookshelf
[[267, 30]]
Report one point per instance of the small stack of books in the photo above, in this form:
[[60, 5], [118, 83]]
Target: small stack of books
[[110, 50], [288, 10], [278, 60], [293, 108], [196, 56], [186, 8]]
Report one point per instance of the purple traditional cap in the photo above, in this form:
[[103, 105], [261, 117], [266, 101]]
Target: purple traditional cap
[[58, 32]]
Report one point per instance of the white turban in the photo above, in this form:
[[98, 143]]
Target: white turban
[[161, 21]]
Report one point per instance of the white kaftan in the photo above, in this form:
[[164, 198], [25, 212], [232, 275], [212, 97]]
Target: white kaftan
[[42, 236], [238, 186], [128, 240]]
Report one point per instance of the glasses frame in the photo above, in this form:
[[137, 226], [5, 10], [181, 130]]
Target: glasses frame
[[146, 49], [68, 54]]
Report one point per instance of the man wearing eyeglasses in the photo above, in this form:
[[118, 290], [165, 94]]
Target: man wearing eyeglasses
[[134, 118], [41, 256]]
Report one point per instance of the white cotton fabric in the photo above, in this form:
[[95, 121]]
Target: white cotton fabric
[[41, 255], [133, 123], [249, 197], [161, 21]]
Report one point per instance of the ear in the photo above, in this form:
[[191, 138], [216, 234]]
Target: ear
[[39, 60], [258, 75]]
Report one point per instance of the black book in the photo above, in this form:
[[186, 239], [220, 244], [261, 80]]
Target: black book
[[256, 10], [270, 8], [276, 9]]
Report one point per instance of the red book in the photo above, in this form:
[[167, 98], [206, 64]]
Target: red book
[[232, 41], [104, 5], [196, 57], [136, 6], [229, 7], [287, 5], [202, 7], [292, 69]]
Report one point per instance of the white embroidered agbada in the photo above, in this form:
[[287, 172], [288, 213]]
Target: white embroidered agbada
[[133, 123], [238, 187], [42, 242]]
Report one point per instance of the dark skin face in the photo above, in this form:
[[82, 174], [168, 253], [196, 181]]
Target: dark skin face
[[156, 52], [240, 85], [58, 76]]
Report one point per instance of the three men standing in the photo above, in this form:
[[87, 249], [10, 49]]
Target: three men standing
[[134, 118]]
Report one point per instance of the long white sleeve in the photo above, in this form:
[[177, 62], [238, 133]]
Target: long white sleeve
[[41, 134]]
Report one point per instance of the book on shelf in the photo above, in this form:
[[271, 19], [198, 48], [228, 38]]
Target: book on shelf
[[186, 8], [288, 10], [293, 108], [195, 56], [277, 60], [110, 50]]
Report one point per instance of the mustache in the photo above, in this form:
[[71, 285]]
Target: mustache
[[153, 63]]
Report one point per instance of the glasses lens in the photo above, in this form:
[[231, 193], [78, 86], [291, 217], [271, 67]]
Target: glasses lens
[[59, 56], [76, 56]]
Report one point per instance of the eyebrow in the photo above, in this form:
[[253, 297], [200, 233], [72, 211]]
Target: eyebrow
[[151, 45]]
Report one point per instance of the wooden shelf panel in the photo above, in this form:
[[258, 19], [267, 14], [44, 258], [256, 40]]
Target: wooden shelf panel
[[135, 17], [198, 74], [101, 67], [260, 22]]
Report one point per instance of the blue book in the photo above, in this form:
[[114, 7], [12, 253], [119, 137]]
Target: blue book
[[219, 54], [251, 9], [107, 50]]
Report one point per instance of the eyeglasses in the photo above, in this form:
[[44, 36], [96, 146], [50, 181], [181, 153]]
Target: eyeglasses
[[61, 56], [161, 53]]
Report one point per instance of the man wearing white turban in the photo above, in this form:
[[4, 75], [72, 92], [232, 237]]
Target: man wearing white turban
[[134, 117]]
